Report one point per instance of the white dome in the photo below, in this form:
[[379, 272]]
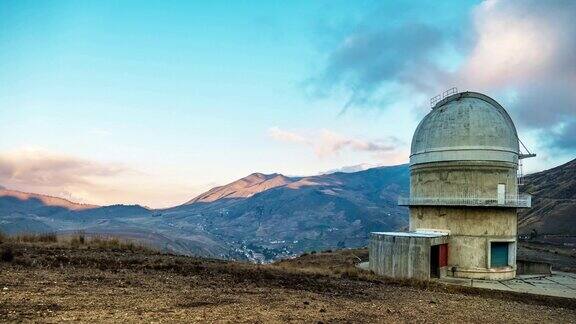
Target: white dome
[[463, 127]]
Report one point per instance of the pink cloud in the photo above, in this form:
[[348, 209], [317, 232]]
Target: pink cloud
[[326, 143]]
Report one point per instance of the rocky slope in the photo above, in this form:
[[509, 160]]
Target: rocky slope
[[553, 201]]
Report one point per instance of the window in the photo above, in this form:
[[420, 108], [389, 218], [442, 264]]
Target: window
[[499, 254]]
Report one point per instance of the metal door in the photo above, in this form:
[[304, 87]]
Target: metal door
[[499, 254]]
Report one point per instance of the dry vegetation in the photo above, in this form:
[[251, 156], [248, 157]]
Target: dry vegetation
[[96, 279], [78, 240]]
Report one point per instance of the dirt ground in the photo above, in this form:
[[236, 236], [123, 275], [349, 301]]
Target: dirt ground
[[45, 283]]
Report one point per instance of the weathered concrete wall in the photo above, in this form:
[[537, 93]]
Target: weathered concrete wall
[[401, 256], [526, 267], [471, 228], [471, 232], [462, 179]]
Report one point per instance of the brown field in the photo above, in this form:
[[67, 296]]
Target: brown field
[[112, 281]]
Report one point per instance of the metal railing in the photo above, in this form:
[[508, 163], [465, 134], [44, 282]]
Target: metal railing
[[434, 100], [519, 201], [449, 92]]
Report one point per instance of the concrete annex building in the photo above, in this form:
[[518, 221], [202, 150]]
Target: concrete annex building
[[463, 195]]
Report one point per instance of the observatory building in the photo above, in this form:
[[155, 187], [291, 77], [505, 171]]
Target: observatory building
[[463, 195]]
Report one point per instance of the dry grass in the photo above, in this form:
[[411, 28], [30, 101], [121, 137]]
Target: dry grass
[[342, 264], [79, 240], [54, 283], [34, 238]]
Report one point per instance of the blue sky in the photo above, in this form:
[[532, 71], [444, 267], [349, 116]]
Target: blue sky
[[153, 102]]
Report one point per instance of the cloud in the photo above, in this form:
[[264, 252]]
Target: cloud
[[528, 48], [327, 143], [565, 136], [367, 62], [36, 167], [43, 171], [285, 136], [86, 181], [396, 49], [520, 52], [352, 168]]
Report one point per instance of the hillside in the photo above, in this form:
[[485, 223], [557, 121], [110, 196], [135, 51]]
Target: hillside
[[553, 201], [57, 282], [308, 213], [259, 217], [266, 217]]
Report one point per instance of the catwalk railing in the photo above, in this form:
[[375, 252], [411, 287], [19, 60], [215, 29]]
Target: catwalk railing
[[519, 201]]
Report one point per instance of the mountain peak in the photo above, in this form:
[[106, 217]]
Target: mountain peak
[[243, 188]]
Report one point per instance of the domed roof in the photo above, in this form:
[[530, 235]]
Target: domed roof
[[465, 126]]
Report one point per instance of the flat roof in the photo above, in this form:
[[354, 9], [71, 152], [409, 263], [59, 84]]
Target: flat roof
[[414, 234]]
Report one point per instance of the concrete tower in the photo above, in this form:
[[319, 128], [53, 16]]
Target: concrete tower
[[463, 195]]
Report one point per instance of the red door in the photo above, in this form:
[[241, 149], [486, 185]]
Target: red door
[[443, 255]]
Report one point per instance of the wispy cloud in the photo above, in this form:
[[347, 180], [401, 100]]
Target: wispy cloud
[[44, 168], [83, 180], [520, 50], [286, 136], [326, 143]]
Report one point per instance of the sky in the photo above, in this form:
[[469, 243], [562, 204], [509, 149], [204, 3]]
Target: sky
[[153, 102]]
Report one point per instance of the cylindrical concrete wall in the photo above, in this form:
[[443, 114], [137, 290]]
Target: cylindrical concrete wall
[[460, 179], [472, 229]]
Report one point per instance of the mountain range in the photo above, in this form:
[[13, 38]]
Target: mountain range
[[259, 217], [263, 217]]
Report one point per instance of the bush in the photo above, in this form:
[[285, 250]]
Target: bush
[[7, 255]]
